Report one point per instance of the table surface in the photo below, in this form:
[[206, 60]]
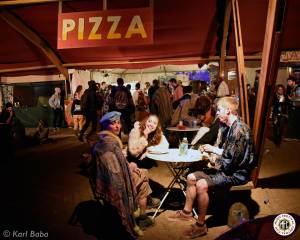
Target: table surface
[[173, 156], [187, 129]]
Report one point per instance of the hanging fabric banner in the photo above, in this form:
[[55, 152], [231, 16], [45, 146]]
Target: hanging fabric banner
[[105, 28]]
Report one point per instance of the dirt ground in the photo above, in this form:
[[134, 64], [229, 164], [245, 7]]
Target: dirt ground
[[44, 186]]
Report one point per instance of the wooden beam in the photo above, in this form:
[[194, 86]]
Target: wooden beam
[[164, 60], [22, 69], [21, 28], [83, 64], [249, 58], [268, 73], [24, 2], [224, 40], [240, 63]]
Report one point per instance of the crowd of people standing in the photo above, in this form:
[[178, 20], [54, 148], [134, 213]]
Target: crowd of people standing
[[285, 112]]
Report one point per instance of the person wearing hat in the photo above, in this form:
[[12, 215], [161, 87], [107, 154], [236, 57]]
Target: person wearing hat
[[123, 185]]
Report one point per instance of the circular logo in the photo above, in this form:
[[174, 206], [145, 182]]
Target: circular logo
[[284, 224], [6, 233]]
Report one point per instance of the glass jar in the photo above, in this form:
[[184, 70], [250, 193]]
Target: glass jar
[[183, 147]]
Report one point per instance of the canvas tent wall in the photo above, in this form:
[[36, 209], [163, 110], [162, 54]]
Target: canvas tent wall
[[183, 30]]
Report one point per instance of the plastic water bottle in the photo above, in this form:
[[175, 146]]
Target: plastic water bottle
[[183, 147]]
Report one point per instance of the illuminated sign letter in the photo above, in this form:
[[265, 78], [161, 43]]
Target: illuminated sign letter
[[80, 28], [93, 34], [136, 27], [68, 26], [115, 21]]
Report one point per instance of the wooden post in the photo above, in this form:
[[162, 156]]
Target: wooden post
[[224, 40], [240, 63], [59, 6], [151, 3], [268, 73], [141, 80], [104, 5]]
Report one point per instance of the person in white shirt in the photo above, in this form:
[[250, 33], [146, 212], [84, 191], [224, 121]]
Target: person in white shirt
[[56, 105], [223, 89]]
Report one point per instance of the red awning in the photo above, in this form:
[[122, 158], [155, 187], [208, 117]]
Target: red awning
[[182, 29]]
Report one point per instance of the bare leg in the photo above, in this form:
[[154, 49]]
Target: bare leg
[[81, 122], [141, 182], [75, 120], [203, 199], [190, 193]]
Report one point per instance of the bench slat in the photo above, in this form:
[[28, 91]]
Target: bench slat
[[249, 185]]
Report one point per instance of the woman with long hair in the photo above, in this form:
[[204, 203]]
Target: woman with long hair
[[76, 111], [146, 135]]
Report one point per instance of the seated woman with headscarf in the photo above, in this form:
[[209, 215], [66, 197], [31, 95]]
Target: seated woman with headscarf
[[146, 136]]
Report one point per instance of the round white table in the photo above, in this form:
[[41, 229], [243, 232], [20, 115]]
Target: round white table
[[187, 129], [172, 156], [177, 164]]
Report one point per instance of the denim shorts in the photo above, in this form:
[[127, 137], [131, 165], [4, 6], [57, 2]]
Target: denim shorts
[[215, 179]]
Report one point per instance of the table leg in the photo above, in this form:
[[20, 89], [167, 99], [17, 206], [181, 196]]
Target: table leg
[[178, 181], [172, 183]]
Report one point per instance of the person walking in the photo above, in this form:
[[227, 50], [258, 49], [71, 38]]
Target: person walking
[[57, 108], [90, 104]]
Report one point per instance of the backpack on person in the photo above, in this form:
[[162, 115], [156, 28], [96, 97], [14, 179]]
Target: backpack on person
[[141, 102], [121, 99]]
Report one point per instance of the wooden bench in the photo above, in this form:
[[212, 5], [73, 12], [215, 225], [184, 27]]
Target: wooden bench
[[249, 185]]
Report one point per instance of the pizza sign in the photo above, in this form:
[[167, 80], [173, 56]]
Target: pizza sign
[[105, 28]]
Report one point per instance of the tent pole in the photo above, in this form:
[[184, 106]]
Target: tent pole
[[66, 89], [224, 40], [240, 62], [268, 75], [60, 7], [165, 70], [104, 5], [141, 75]]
